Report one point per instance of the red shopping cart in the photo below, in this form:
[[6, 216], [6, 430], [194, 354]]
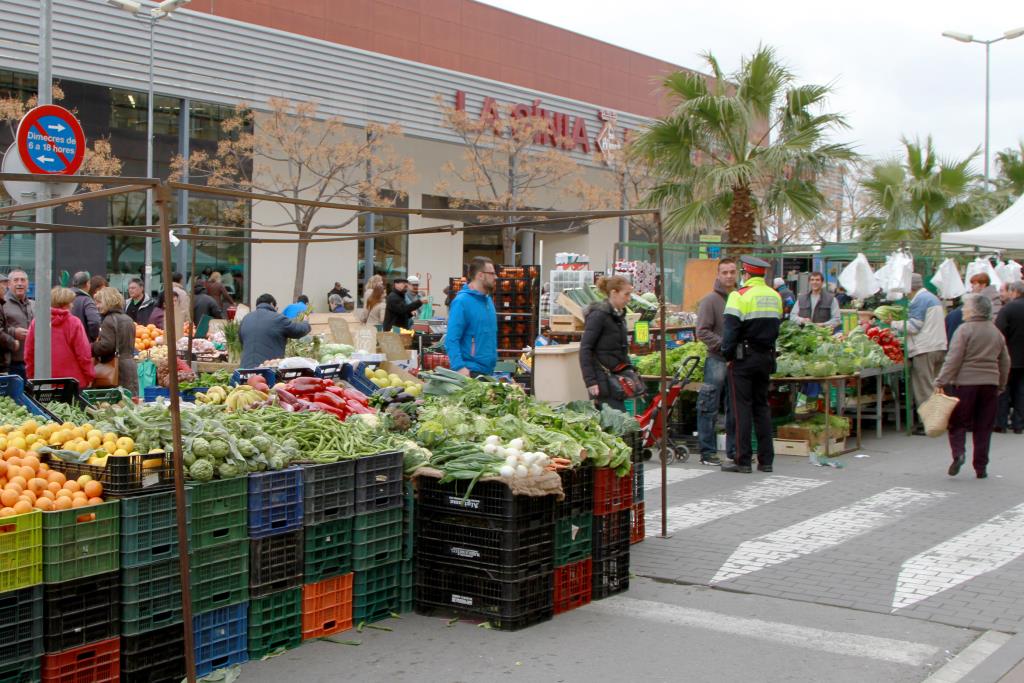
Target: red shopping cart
[[652, 420]]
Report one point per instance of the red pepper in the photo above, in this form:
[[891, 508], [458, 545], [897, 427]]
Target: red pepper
[[286, 397], [353, 395], [337, 391], [873, 332], [336, 412], [305, 385], [358, 408], [328, 398]]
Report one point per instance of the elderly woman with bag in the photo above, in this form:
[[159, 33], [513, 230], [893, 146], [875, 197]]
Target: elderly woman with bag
[[604, 348], [115, 346], [975, 371]]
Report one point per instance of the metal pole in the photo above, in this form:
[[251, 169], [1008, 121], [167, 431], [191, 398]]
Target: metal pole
[[44, 241], [184, 124], [148, 269], [988, 46], [623, 221], [663, 381]]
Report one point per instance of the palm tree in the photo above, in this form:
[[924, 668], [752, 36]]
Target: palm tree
[[1010, 181], [922, 196], [737, 149]]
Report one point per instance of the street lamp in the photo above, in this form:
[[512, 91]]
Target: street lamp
[[161, 11], [968, 38]]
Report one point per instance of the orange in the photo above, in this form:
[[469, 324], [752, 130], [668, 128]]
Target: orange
[[37, 485], [62, 504], [12, 452], [55, 476], [95, 501], [15, 461], [22, 506], [44, 504], [3, 468], [79, 503], [53, 487], [43, 467], [79, 495], [93, 489], [48, 494], [7, 512], [30, 461], [28, 472], [72, 485], [9, 497], [21, 481], [29, 495]]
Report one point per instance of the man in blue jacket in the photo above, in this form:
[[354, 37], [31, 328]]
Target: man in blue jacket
[[265, 332], [472, 339]]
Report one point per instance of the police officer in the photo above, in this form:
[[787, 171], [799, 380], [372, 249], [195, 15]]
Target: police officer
[[753, 314]]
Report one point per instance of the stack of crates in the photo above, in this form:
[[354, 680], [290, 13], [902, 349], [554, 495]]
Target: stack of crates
[[408, 584], [637, 530], [21, 597], [515, 296], [613, 502], [378, 537], [573, 538], [484, 553]]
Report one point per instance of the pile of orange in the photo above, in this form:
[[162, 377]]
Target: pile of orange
[[146, 336], [27, 484]]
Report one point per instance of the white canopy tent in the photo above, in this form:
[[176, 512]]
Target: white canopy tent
[[1005, 231]]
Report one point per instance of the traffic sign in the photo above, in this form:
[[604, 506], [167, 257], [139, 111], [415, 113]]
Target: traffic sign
[[24, 191], [50, 140]]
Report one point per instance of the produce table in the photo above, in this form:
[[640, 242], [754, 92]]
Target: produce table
[[828, 382]]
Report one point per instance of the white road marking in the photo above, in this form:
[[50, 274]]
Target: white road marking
[[968, 658], [823, 531], [979, 550], [652, 476], [748, 497], [819, 640]]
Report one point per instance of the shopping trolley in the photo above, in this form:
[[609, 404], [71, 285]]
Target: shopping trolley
[[652, 420]]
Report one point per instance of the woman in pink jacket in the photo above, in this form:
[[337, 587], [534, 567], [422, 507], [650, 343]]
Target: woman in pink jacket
[[70, 353]]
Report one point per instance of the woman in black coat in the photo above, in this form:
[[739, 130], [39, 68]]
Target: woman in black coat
[[605, 344]]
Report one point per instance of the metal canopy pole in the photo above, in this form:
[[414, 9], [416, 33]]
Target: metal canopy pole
[[147, 276], [44, 241], [663, 380]]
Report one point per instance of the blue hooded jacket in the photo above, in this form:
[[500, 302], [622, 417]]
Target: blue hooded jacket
[[472, 339]]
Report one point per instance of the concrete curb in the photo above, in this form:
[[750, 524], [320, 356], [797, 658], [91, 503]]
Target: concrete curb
[[1001, 662]]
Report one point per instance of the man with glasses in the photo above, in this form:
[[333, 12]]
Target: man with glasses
[[20, 311], [472, 338]]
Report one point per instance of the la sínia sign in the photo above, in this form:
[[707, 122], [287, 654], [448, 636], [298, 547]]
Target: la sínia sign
[[50, 140]]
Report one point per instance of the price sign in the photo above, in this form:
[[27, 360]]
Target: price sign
[[642, 333]]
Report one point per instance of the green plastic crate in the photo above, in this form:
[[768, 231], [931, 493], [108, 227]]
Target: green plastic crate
[[275, 622], [94, 397], [377, 539], [328, 550], [219, 576], [149, 528], [81, 542], [407, 587], [26, 670], [21, 551], [219, 512], [573, 539], [408, 521], [376, 593], [150, 597]]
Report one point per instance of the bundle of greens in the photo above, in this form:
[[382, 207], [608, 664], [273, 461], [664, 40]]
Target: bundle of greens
[[651, 363]]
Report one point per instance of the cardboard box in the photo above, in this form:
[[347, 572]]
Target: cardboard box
[[812, 438], [406, 376], [804, 448]]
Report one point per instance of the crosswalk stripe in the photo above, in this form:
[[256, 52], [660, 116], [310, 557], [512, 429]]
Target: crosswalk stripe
[[980, 549], [823, 531], [652, 476], [748, 497], [819, 640]]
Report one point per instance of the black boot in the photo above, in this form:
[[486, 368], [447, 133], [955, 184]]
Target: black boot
[[764, 468], [958, 462], [745, 469]]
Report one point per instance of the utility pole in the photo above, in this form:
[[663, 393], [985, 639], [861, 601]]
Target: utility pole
[[44, 240]]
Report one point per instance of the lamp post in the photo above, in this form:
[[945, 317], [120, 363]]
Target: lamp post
[[968, 38], [161, 11]]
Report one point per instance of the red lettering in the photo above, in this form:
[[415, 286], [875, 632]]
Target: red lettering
[[579, 135], [460, 100], [521, 111]]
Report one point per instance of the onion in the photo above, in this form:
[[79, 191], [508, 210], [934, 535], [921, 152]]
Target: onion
[[516, 444], [513, 451], [529, 458], [490, 449], [521, 471], [536, 470], [507, 471], [493, 439], [512, 461]]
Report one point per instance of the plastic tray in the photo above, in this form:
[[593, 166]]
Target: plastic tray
[[219, 511], [219, 576], [376, 593], [21, 624], [610, 576], [96, 663], [287, 375], [275, 563], [611, 534], [328, 550], [275, 502], [611, 492], [327, 607], [221, 638], [329, 371], [328, 491], [573, 585], [156, 656], [486, 499], [149, 528], [81, 611], [379, 482], [150, 597], [81, 542], [27, 670], [151, 394], [353, 374], [574, 538], [14, 386], [95, 397], [275, 622], [123, 476], [21, 550], [407, 589]]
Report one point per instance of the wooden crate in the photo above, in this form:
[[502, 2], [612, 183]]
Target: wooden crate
[[574, 308], [803, 448], [805, 434], [565, 323]]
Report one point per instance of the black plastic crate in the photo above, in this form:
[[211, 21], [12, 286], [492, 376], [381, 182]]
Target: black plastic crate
[[610, 575], [611, 534], [486, 499], [81, 611], [379, 482], [123, 476], [328, 550], [61, 390], [638, 483], [500, 549], [578, 487], [328, 491], [154, 656], [636, 446], [21, 624], [275, 563], [25, 670]]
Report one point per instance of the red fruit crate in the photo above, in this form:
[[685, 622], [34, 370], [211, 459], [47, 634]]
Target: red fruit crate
[[92, 663], [327, 607], [573, 585], [435, 360], [636, 524], [611, 492]]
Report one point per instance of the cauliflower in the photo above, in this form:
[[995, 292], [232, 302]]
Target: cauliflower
[[262, 443]]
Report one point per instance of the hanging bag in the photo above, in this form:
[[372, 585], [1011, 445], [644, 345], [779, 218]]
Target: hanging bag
[[106, 372], [935, 413]]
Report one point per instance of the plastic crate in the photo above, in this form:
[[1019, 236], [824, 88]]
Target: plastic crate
[[21, 624], [219, 576], [573, 538], [377, 539], [14, 386], [408, 521], [26, 670], [242, 375], [275, 502], [149, 528], [407, 587], [288, 374], [21, 550], [639, 476], [123, 476], [611, 492], [327, 607], [60, 389], [328, 550], [93, 663], [81, 542], [81, 611], [376, 593], [328, 371], [507, 605], [275, 563], [275, 622], [150, 597], [151, 394], [328, 491], [637, 530], [611, 534], [353, 375], [486, 499], [379, 482], [113, 395], [610, 576], [156, 656], [501, 549], [221, 638], [573, 585], [634, 440], [219, 512], [578, 487]]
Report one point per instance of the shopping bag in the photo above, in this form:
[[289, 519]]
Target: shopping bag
[[947, 280], [1009, 271], [147, 375], [935, 412], [857, 278]]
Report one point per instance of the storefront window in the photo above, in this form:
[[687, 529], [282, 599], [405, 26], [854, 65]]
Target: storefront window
[[129, 111], [390, 252]]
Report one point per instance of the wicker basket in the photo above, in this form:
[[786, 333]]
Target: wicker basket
[[935, 412]]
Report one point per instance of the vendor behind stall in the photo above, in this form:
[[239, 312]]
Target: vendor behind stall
[[264, 332]]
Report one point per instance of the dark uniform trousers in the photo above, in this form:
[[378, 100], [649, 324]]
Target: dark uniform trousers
[[750, 379]]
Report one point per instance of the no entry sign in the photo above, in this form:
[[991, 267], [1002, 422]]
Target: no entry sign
[[50, 140]]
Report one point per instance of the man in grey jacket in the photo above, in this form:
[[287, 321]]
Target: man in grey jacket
[[925, 328], [264, 332], [710, 327], [83, 307], [20, 310]]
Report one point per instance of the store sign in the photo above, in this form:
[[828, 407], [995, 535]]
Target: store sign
[[608, 140]]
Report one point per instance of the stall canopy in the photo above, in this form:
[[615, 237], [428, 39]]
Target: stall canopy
[[1005, 231]]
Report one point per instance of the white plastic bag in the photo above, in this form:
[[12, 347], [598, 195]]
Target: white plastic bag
[[982, 265], [857, 278], [947, 280], [1009, 271], [894, 276]]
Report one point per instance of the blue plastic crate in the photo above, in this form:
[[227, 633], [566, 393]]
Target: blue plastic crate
[[353, 374], [275, 502], [150, 394], [189, 395], [242, 374], [329, 371], [221, 638], [14, 386]]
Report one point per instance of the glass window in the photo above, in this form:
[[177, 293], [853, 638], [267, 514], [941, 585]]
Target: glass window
[[390, 252], [128, 111], [205, 119]]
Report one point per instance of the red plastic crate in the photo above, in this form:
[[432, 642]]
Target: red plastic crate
[[636, 523], [611, 493], [435, 360], [327, 607], [98, 662], [573, 585]]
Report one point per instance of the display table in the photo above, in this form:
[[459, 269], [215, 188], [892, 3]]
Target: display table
[[828, 382], [885, 378]]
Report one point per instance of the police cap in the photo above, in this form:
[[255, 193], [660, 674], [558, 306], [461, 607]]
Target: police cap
[[754, 265]]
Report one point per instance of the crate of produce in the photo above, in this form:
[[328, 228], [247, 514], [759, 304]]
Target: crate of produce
[[578, 487], [637, 530], [221, 638], [126, 475], [611, 492], [98, 662], [505, 549], [408, 520], [151, 394], [56, 390], [242, 375], [275, 563], [21, 550], [219, 511], [219, 576], [485, 499], [376, 593], [610, 576], [572, 585], [328, 550], [81, 611], [21, 624], [149, 528], [328, 491], [573, 538], [25, 670], [376, 539], [639, 478], [150, 597], [353, 376], [507, 605], [379, 482], [275, 622], [13, 387], [611, 534], [327, 607], [275, 502], [407, 587], [156, 656], [81, 542], [97, 397]]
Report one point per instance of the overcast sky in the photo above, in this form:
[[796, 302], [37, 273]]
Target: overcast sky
[[893, 71]]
